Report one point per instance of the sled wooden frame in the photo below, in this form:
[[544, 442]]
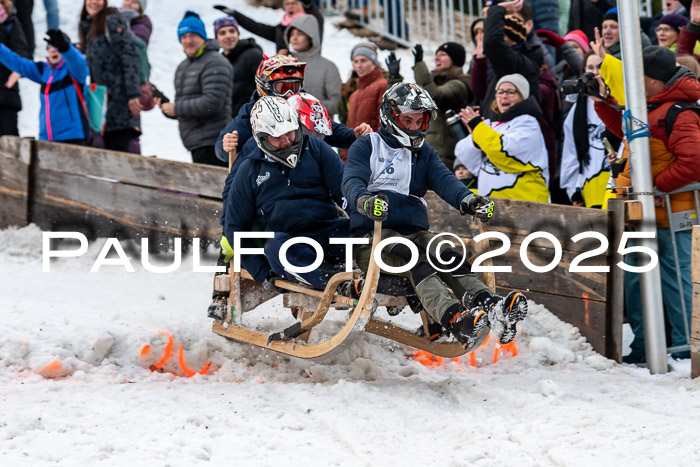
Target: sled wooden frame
[[360, 318]]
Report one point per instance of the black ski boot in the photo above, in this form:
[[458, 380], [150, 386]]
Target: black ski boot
[[435, 331], [352, 289], [217, 308], [467, 325], [506, 313]]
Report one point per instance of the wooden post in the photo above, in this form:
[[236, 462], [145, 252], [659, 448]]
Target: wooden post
[[695, 321], [616, 283]]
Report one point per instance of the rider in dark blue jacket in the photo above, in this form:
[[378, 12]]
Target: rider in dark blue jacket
[[62, 78], [291, 184], [386, 176]]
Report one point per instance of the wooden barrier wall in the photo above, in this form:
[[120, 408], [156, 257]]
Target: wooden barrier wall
[[695, 322], [109, 194], [591, 301]]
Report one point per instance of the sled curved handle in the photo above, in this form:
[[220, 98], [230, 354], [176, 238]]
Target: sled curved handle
[[356, 322]]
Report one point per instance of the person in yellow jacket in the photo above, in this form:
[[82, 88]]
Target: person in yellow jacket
[[507, 154]]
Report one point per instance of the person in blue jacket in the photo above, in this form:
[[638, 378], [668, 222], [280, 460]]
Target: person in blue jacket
[[291, 185], [281, 76], [386, 176], [62, 77]]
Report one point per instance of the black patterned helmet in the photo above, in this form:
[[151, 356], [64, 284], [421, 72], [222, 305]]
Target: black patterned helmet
[[406, 98]]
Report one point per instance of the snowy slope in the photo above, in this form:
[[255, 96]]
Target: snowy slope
[[76, 388], [556, 403]]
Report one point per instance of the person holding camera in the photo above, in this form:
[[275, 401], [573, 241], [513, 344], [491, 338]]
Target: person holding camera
[[585, 169], [507, 153], [674, 164]]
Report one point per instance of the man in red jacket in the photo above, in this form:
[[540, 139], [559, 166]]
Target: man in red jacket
[[674, 164]]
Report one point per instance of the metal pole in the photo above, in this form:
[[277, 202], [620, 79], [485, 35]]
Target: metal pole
[[461, 23], [419, 23], [437, 23], [640, 164], [451, 12], [427, 20]]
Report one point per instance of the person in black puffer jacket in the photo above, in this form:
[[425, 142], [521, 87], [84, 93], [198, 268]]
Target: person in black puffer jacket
[[202, 91], [244, 55], [107, 41], [12, 36]]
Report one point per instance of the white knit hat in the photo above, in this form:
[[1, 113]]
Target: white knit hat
[[518, 81]]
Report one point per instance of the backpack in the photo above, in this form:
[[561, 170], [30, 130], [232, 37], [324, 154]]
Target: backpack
[[672, 114]]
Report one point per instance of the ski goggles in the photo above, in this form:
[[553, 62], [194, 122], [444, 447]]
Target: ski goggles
[[423, 123], [286, 87]]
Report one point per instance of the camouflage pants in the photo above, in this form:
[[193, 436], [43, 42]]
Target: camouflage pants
[[431, 285]]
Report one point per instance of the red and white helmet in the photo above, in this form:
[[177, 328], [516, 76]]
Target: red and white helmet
[[272, 116], [312, 114], [280, 75]]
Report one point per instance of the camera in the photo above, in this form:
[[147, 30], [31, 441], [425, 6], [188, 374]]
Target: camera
[[586, 85], [454, 124]]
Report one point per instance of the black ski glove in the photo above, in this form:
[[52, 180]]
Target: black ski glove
[[225, 9], [418, 53], [376, 207], [478, 206], [58, 39], [393, 65]]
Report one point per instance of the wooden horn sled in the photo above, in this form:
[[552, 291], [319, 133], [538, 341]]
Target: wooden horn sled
[[312, 306]]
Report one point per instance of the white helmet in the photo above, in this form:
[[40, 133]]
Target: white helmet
[[273, 117]]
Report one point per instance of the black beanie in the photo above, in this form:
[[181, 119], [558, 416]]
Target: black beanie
[[515, 29], [611, 14], [659, 63], [455, 51]]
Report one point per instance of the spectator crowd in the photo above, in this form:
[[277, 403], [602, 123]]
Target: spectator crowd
[[534, 116]]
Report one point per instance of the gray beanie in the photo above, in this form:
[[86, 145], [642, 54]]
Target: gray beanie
[[366, 49], [518, 81]]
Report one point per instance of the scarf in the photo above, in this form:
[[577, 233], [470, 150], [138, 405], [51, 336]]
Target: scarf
[[581, 132], [287, 20]]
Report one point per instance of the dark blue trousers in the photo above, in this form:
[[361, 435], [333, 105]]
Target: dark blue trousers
[[302, 254]]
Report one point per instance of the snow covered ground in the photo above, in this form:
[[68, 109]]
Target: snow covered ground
[[76, 386]]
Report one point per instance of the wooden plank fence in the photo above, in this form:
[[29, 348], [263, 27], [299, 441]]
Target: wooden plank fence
[[110, 194]]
